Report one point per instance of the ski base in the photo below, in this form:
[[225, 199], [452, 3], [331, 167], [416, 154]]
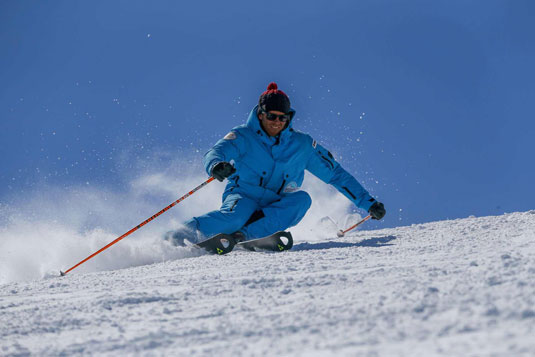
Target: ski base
[[276, 242]]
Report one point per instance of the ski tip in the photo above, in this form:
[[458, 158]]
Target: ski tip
[[61, 273], [340, 233]]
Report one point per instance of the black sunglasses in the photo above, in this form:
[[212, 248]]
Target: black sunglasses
[[282, 117]]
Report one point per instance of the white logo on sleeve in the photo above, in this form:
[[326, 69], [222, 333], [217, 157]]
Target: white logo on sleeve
[[230, 136], [291, 187]]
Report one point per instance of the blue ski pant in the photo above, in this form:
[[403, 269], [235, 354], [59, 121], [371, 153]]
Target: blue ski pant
[[238, 210]]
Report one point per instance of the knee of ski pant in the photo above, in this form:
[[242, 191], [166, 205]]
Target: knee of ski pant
[[220, 222], [302, 200]]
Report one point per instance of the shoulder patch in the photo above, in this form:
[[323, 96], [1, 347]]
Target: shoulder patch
[[230, 136], [314, 143]]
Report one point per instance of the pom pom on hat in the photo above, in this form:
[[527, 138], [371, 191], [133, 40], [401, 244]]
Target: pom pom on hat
[[272, 85], [274, 99]]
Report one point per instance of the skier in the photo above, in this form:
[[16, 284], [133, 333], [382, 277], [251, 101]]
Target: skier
[[264, 161]]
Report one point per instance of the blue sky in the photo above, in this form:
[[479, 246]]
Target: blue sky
[[428, 104]]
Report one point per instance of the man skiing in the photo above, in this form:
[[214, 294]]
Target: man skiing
[[264, 161]]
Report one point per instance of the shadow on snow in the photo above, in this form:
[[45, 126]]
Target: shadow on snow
[[372, 242]]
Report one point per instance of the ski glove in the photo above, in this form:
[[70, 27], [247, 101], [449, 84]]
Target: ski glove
[[223, 170], [377, 210]]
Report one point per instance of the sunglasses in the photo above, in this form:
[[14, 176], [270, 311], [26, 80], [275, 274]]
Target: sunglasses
[[282, 117]]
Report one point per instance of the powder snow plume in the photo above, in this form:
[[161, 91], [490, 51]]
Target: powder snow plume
[[53, 228]]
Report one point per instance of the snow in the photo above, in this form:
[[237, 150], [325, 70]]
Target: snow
[[458, 287]]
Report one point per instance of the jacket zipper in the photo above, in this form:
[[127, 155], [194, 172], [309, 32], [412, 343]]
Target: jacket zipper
[[280, 188], [350, 193]]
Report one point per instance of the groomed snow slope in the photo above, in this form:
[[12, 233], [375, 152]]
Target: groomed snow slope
[[463, 287]]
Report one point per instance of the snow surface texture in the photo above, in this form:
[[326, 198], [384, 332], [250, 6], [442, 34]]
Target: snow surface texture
[[463, 287]]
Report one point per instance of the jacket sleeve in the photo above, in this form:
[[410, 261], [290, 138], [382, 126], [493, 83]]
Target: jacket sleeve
[[226, 149], [322, 164]]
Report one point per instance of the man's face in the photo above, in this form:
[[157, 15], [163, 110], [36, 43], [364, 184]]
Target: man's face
[[272, 127]]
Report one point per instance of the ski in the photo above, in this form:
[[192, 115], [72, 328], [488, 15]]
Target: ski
[[224, 243], [219, 244], [277, 242]]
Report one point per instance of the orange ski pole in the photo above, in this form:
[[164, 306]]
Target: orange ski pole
[[140, 225], [341, 233]]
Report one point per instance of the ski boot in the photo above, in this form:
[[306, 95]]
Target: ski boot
[[183, 237]]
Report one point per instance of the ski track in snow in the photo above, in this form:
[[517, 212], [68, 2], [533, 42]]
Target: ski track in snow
[[462, 287]]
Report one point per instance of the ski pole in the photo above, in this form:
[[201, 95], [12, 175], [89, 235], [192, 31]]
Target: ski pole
[[341, 233], [140, 225]]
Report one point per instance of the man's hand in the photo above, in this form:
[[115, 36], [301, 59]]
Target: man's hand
[[377, 210], [223, 170]]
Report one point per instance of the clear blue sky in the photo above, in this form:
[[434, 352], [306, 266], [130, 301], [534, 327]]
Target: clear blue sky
[[445, 89]]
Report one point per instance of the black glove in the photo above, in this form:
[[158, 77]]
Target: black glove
[[223, 170], [377, 210]]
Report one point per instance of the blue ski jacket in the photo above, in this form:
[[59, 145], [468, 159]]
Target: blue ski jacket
[[268, 168]]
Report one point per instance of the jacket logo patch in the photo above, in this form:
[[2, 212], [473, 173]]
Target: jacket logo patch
[[230, 136], [291, 187]]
